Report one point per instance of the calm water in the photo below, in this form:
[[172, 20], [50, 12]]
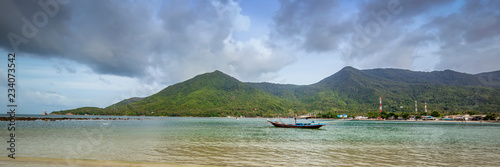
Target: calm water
[[251, 142]]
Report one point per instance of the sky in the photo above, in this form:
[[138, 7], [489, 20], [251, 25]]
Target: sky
[[77, 53]]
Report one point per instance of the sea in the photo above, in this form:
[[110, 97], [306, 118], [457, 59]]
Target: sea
[[254, 142]]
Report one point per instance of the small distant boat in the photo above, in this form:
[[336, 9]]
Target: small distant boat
[[311, 125]]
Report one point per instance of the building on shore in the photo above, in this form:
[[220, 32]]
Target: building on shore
[[477, 117], [428, 118], [360, 117], [466, 117]]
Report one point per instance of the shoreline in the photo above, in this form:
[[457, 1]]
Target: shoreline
[[18, 118], [141, 118], [39, 161], [482, 121]]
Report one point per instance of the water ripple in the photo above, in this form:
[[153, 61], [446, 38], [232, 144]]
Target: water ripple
[[250, 142]]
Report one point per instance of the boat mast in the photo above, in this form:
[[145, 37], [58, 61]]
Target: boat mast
[[295, 119]]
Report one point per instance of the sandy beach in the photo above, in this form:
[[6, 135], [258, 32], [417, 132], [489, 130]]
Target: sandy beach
[[58, 162]]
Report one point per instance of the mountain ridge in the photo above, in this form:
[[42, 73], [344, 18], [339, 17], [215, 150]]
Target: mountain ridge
[[209, 94], [349, 90]]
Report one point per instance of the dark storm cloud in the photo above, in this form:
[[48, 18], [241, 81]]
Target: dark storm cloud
[[16, 16], [314, 26], [409, 8], [470, 37], [166, 41], [169, 41], [99, 35], [392, 33]]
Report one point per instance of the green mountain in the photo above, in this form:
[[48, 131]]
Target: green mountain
[[210, 94], [357, 92], [125, 102], [350, 91]]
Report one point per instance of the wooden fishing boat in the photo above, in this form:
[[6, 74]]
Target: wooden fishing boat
[[311, 125]]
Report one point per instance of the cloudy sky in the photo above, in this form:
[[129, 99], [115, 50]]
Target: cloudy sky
[[76, 53]]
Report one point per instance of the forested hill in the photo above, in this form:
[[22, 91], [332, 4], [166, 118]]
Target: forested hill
[[447, 77], [125, 102], [349, 90], [210, 94], [357, 91]]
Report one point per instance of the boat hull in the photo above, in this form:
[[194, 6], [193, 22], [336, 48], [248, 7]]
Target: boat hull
[[306, 126]]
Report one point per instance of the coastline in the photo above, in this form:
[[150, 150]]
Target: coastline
[[483, 121], [56, 162], [30, 117]]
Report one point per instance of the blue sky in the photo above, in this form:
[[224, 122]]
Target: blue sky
[[96, 53]]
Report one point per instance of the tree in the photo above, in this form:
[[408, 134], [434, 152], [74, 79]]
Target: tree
[[396, 116], [471, 112], [384, 115], [435, 114], [405, 115], [392, 115], [491, 116], [372, 114]]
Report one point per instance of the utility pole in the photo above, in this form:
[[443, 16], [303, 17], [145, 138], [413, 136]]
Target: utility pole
[[425, 107], [416, 111], [380, 99]]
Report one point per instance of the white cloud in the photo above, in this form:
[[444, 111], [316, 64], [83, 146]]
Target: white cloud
[[253, 60]]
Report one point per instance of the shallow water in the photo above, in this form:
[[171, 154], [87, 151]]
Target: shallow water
[[252, 142]]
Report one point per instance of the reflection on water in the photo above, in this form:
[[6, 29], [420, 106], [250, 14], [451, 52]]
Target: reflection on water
[[251, 142]]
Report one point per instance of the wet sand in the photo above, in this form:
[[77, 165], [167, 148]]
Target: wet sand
[[58, 162]]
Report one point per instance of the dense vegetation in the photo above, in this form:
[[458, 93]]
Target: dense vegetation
[[349, 91], [208, 95]]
